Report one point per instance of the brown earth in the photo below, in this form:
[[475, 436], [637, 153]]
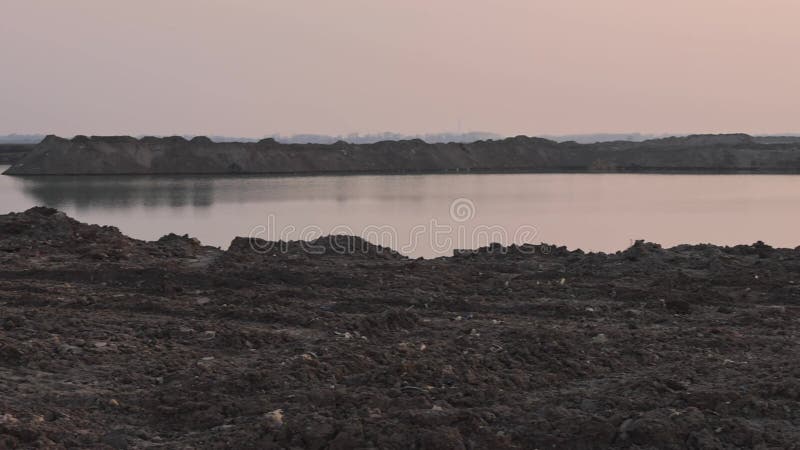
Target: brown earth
[[111, 342]]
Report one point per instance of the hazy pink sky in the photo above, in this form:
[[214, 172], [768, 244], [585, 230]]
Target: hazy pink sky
[[257, 67]]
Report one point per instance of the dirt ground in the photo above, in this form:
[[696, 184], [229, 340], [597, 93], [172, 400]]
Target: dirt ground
[[111, 342]]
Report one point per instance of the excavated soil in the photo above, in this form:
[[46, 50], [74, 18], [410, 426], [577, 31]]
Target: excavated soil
[[111, 342]]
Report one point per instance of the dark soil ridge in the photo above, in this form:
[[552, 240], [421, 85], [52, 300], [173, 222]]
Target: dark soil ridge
[[112, 342], [731, 153]]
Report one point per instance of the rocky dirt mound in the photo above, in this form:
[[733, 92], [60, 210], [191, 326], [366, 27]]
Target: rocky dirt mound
[[176, 155], [43, 230], [184, 346], [326, 246]]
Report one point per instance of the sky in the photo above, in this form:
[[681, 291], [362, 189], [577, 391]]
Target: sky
[[259, 67]]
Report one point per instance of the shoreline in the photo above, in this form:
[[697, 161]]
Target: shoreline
[[656, 171]]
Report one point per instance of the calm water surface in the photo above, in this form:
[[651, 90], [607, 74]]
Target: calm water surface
[[417, 213]]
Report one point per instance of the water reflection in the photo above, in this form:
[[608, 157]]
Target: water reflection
[[202, 192], [106, 192]]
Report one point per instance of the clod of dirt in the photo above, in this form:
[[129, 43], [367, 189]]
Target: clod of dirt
[[391, 320], [678, 306], [273, 419]]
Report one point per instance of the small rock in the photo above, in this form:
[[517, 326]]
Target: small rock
[[274, 419], [209, 334], [8, 419], [600, 339], [66, 348], [206, 362], [633, 312], [624, 427], [674, 385]]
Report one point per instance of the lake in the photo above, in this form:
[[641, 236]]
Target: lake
[[430, 215]]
